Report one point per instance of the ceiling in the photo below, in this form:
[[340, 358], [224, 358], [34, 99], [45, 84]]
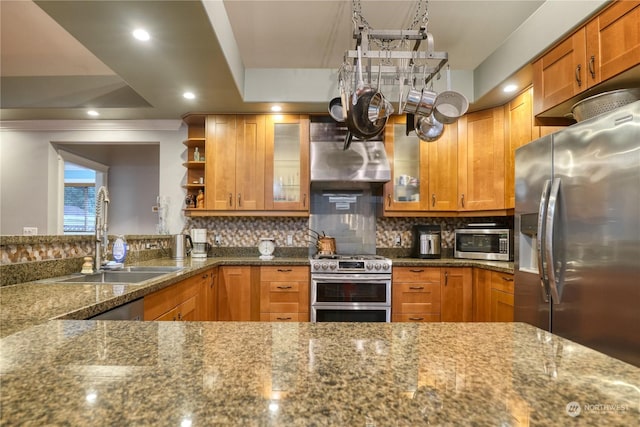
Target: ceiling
[[61, 58]]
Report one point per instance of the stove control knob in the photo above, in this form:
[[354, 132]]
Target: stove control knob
[[378, 266], [369, 266], [325, 265], [314, 266], [332, 266], [385, 266]]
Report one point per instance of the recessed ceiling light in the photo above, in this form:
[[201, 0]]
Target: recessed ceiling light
[[510, 88], [189, 95], [141, 34], [276, 108], [93, 113]]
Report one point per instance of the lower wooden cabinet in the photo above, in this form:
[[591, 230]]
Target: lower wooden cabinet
[[415, 294], [456, 289], [284, 294], [185, 300], [502, 289], [481, 295], [238, 296]]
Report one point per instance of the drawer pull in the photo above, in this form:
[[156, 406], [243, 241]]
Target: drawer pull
[[285, 270], [507, 279], [416, 271], [284, 287], [416, 318], [283, 318], [416, 287]]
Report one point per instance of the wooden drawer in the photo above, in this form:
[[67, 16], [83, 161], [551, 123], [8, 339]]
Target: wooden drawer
[[415, 298], [284, 274], [502, 281], [416, 274], [162, 301], [415, 317], [284, 317]]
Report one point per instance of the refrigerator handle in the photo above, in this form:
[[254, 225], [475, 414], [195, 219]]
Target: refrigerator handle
[[542, 211], [549, 231]]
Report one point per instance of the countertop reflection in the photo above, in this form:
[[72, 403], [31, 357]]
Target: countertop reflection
[[284, 374]]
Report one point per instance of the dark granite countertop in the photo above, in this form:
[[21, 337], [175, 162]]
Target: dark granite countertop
[[105, 373]]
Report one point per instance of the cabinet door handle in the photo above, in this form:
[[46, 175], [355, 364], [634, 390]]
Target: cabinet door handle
[[179, 316], [433, 200], [389, 200], [592, 66], [413, 270], [239, 200], [462, 200], [446, 277], [416, 287], [507, 279], [416, 318], [578, 79], [283, 318], [204, 276], [230, 199], [304, 200], [284, 287]]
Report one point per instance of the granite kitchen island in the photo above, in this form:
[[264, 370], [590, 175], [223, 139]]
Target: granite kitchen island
[[68, 372]]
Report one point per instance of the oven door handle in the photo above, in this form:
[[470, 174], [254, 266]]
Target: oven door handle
[[341, 278]]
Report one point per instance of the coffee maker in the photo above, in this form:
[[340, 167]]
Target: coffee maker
[[426, 241], [200, 245]]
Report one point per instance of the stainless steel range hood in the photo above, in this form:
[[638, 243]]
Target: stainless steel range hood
[[364, 162]]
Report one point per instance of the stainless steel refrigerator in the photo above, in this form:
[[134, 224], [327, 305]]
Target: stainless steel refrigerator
[[577, 231]]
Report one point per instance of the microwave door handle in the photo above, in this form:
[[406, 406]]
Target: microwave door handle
[[542, 213], [549, 234]]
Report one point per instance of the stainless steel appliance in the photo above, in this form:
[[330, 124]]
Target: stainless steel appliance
[[577, 222], [179, 247], [426, 241], [483, 241], [351, 288], [199, 242]]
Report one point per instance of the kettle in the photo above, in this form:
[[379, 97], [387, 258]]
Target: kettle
[[179, 247], [426, 241]]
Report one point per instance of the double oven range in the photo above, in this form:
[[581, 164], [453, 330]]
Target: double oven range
[[350, 288]]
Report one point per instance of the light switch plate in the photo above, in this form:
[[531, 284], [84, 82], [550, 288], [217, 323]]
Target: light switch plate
[[289, 240], [29, 231]]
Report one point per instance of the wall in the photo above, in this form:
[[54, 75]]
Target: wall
[[29, 169]]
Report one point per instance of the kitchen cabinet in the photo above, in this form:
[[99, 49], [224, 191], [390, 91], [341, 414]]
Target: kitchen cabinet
[[481, 295], [235, 163], [185, 300], [238, 296], [456, 290], [502, 290], [520, 130], [284, 294], [287, 163], [604, 47], [208, 307], [481, 169], [195, 163], [424, 174], [415, 294]]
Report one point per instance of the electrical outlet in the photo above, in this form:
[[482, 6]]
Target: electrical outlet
[[289, 239], [29, 231], [398, 240], [218, 240]]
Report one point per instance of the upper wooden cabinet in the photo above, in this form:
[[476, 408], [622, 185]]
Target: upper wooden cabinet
[[424, 174], [235, 163], [252, 164], [481, 171], [520, 130], [606, 46], [287, 163]]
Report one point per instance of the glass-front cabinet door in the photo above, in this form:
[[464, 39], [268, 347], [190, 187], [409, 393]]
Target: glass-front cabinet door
[[287, 163], [405, 191]]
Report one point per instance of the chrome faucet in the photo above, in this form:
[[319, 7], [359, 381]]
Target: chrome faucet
[[102, 209]]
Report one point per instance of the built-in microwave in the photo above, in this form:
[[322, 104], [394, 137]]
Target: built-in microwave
[[493, 244]]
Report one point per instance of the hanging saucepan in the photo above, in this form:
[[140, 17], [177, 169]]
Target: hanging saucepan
[[336, 109], [428, 128], [450, 105], [358, 121]]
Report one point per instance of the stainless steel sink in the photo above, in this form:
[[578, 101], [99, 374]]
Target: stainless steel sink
[[153, 268], [114, 277]]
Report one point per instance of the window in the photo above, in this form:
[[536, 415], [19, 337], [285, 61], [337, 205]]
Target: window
[[79, 199]]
